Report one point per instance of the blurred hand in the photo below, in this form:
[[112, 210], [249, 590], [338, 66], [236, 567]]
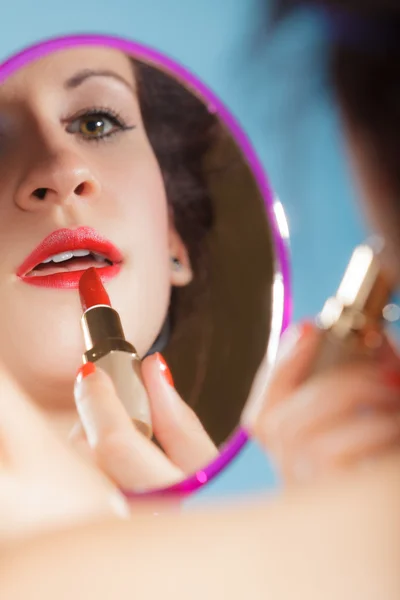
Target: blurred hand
[[343, 418], [123, 453]]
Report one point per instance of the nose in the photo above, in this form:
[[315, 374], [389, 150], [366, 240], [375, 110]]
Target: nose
[[57, 179]]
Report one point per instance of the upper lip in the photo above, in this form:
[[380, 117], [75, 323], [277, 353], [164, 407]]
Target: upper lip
[[83, 238]]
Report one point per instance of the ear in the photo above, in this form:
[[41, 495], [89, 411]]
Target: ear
[[181, 270]]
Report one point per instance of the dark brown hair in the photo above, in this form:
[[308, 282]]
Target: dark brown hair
[[181, 131], [227, 305], [364, 64]]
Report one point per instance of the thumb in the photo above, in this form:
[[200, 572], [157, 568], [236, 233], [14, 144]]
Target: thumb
[[126, 456]]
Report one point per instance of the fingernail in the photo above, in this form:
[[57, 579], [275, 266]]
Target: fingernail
[[84, 371], [305, 328], [292, 337], [165, 370]]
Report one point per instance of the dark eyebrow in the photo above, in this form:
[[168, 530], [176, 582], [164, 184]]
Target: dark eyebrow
[[81, 76]]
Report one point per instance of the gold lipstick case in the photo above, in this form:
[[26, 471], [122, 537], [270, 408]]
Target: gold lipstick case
[[352, 320], [107, 347]]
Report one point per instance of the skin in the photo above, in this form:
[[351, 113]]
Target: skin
[[109, 180], [109, 438], [341, 420], [112, 184], [350, 416], [326, 537], [330, 527]]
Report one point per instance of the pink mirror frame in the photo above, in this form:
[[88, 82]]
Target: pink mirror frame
[[282, 307]]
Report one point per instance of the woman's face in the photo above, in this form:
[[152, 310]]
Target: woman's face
[[74, 153]]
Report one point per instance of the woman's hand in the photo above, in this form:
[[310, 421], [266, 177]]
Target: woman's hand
[[44, 485], [330, 421], [124, 454]]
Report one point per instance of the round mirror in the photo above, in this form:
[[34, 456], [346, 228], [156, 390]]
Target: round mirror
[[117, 162]]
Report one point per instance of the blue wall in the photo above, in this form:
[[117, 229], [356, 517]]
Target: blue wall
[[275, 89]]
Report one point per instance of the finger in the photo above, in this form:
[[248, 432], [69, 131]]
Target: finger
[[78, 441], [126, 456], [326, 399], [352, 442], [297, 350], [175, 424], [296, 353], [388, 355]]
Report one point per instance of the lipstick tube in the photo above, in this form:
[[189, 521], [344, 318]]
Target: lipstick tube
[[107, 347], [352, 320]]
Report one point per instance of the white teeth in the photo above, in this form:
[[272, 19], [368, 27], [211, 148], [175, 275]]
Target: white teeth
[[62, 256]]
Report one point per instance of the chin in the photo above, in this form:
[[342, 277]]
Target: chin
[[45, 380]]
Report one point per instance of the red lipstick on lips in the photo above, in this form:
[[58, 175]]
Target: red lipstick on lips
[[38, 270], [106, 346]]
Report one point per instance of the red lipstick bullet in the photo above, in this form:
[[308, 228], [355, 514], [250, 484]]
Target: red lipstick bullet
[[106, 346], [92, 290]]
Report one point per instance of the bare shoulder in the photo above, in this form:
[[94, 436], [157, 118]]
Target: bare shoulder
[[336, 540]]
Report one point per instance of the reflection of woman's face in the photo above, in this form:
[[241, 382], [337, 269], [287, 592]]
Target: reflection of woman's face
[[74, 153]]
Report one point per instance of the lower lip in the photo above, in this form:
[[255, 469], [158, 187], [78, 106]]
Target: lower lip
[[69, 279]]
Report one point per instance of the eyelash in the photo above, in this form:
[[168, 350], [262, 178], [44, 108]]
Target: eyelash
[[107, 113]]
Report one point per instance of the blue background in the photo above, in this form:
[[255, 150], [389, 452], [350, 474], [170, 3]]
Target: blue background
[[275, 87]]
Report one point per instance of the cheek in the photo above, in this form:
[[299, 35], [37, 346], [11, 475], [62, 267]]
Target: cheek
[[143, 220], [41, 339], [140, 215], [133, 189], [40, 330]]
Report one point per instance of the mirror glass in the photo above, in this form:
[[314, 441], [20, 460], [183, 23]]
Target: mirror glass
[[115, 160]]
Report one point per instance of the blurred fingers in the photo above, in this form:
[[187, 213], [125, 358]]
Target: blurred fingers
[[354, 442]]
